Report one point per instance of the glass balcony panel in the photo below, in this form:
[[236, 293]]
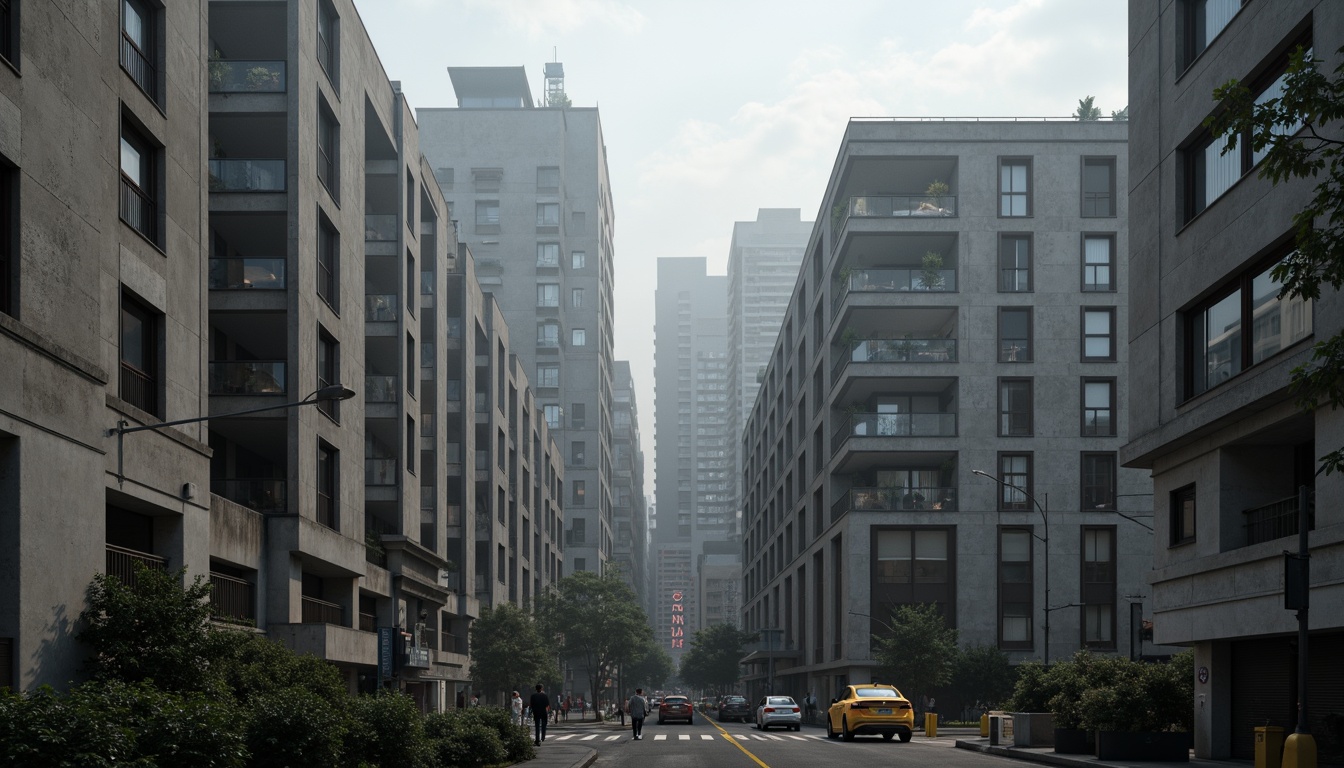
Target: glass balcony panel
[[903, 279], [240, 76], [380, 389], [255, 175], [890, 206], [380, 227], [247, 377], [261, 494], [256, 274], [380, 471], [900, 425], [380, 308]]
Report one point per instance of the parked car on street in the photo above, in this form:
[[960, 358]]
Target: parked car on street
[[871, 708], [734, 708], [675, 708], [778, 710]]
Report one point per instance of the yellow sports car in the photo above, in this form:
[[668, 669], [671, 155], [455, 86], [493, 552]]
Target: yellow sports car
[[870, 708]]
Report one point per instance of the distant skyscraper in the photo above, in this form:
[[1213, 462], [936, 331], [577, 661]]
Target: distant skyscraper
[[629, 511], [529, 186], [762, 269], [692, 460]]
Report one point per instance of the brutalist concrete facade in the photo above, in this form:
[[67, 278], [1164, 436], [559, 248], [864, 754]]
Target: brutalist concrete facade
[[528, 187], [959, 309], [629, 512], [102, 197], [1212, 412]]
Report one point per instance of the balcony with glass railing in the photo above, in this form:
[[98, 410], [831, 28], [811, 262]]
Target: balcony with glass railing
[[380, 471], [908, 350], [381, 227], [247, 377], [911, 499], [244, 274], [247, 175], [381, 389], [260, 494], [895, 280], [246, 76], [897, 206], [895, 425], [380, 308]]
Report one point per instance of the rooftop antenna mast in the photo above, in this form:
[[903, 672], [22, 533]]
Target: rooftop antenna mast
[[555, 83]]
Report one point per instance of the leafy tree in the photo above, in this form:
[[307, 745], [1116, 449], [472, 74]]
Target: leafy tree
[[917, 656], [981, 675], [715, 655], [1120, 115], [155, 630], [1086, 112], [1294, 131], [507, 650], [1035, 687], [389, 730], [650, 668], [249, 666], [595, 620]]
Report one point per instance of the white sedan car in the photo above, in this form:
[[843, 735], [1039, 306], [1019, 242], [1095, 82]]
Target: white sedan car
[[778, 710]]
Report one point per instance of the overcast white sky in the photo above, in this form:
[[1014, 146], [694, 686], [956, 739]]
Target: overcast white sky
[[712, 109]]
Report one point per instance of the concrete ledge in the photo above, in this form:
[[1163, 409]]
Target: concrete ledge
[[1049, 758]]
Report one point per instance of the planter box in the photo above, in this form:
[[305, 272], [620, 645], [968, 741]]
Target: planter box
[[1162, 747], [1033, 729], [1074, 741]]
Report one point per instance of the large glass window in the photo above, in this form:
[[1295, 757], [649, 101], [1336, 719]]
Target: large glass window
[[1182, 513], [1204, 19], [548, 254], [1098, 407], [1098, 187], [328, 38], [8, 31], [1015, 472], [548, 214], [9, 215], [139, 51], [139, 202], [328, 367], [1015, 588], [1097, 587], [1098, 481], [1099, 334], [139, 355], [548, 295], [487, 215], [1219, 345], [327, 487], [1098, 262], [327, 138], [1015, 187], [548, 376], [1015, 407], [1015, 335], [328, 261], [1014, 263], [548, 179]]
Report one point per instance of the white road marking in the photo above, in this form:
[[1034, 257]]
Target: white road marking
[[684, 737], [566, 736], [706, 737], [740, 736], [589, 738], [800, 738], [612, 738], [660, 737]]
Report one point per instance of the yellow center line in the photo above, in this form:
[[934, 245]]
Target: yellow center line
[[736, 743]]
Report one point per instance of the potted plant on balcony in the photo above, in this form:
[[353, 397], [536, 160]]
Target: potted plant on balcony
[[259, 78], [1145, 713], [936, 191], [931, 276]]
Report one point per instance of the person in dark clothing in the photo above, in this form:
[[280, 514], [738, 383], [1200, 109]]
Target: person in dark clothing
[[639, 709], [540, 704]]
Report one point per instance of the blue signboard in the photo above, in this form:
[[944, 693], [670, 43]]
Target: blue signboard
[[385, 635]]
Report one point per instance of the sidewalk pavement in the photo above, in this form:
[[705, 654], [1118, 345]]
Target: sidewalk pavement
[[1048, 756], [553, 754]]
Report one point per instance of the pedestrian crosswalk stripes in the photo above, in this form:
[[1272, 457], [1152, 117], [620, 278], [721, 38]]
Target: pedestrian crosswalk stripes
[[625, 736]]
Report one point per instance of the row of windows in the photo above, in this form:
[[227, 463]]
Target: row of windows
[[1097, 199], [1097, 481], [1096, 344], [1016, 270], [547, 221]]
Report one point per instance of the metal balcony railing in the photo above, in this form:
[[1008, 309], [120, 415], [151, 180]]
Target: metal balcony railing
[[368, 622], [239, 76], [908, 350], [895, 425], [139, 209], [139, 389], [121, 563], [241, 274], [231, 598], [261, 494], [247, 377], [895, 500], [247, 175], [138, 66], [1277, 519], [321, 612]]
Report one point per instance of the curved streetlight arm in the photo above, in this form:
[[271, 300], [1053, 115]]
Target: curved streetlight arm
[[1023, 491], [1045, 541], [874, 618]]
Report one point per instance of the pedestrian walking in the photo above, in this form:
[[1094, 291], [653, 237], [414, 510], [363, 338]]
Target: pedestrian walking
[[639, 709], [564, 707], [540, 705], [516, 704]]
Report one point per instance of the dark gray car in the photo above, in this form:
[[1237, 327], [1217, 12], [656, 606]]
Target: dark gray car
[[734, 708]]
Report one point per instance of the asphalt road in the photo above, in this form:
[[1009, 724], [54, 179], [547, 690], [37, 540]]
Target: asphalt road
[[709, 744]]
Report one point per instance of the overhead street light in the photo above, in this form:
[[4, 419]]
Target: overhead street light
[[328, 393], [1045, 521]]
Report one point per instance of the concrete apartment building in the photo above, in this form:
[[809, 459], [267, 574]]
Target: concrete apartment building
[[1212, 414], [693, 464], [529, 188], [322, 526], [959, 310], [630, 515]]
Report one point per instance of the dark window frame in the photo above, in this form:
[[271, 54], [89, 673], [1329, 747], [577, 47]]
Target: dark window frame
[[1084, 429], [1092, 286], [1090, 202], [141, 202], [1183, 512], [1027, 195], [143, 61], [328, 262], [327, 486], [1193, 44], [1112, 342], [328, 364], [9, 238], [327, 144], [1017, 356], [1088, 489], [1006, 285], [1097, 585], [1017, 592], [485, 224], [1025, 505], [328, 41], [1008, 416], [141, 382], [10, 23]]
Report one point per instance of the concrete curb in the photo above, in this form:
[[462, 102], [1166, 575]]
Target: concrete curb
[[1048, 758]]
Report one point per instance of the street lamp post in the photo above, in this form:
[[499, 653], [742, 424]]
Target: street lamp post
[[327, 393], [1045, 540]]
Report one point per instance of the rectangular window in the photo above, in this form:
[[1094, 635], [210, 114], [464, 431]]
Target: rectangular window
[[548, 295], [548, 179], [578, 452], [1182, 511], [1015, 187], [577, 259], [487, 216], [1218, 345], [1014, 263], [1098, 187], [1098, 481], [1015, 472], [140, 200], [328, 38], [1098, 263], [577, 297], [548, 254], [1098, 399], [1015, 334], [9, 241], [328, 136], [1203, 20], [328, 371], [580, 496], [548, 335], [578, 337], [328, 261], [552, 414], [1015, 408], [327, 488], [548, 376], [9, 31], [140, 328], [1015, 588], [548, 214], [1097, 586], [578, 417], [1099, 334], [139, 44]]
